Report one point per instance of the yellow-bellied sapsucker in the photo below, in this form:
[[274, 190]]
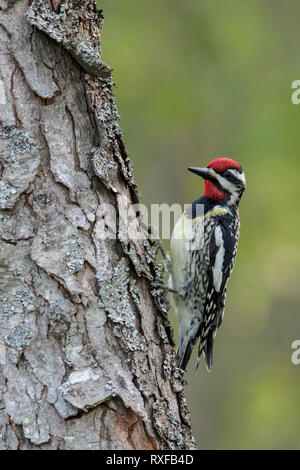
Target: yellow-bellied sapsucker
[[203, 250]]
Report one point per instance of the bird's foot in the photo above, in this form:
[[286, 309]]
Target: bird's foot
[[159, 247]]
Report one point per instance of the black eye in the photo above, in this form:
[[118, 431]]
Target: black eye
[[229, 175]]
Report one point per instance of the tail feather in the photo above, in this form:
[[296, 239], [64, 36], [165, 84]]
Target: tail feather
[[202, 346], [184, 354], [188, 336], [206, 347], [208, 351], [190, 330]]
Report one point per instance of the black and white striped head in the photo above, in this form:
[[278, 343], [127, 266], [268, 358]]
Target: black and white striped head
[[223, 179]]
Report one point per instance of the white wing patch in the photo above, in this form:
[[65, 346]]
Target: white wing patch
[[218, 266]]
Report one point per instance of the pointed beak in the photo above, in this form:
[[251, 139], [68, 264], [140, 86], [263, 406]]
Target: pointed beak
[[204, 172]]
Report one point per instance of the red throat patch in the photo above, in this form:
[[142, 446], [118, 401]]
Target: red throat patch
[[211, 191]]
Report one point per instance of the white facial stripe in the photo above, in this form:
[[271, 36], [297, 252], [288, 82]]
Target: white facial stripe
[[240, 176], [226, 184]]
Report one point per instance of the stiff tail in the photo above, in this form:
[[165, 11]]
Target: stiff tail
[[186, 347], [208, 351], [188, 335]]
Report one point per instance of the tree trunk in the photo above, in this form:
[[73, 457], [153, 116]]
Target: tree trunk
[[86, 351]]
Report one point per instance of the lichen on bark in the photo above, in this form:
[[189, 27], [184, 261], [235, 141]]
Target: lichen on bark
[[86, 350]]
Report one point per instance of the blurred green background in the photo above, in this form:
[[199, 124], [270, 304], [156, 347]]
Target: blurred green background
[[204, 78]]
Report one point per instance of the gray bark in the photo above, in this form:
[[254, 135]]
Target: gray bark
[[86, 351]]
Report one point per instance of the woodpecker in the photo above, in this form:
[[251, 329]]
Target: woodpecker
[[203, 251]]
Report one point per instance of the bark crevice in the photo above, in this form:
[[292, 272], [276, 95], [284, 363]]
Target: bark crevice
[[86, 350]]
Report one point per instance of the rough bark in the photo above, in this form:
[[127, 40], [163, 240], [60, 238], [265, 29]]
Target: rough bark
[[86, 350]]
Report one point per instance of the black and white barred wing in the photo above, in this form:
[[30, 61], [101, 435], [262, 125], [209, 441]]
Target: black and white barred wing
[[222, 253]]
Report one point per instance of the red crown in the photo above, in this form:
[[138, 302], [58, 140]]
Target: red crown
[[221, 164]]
